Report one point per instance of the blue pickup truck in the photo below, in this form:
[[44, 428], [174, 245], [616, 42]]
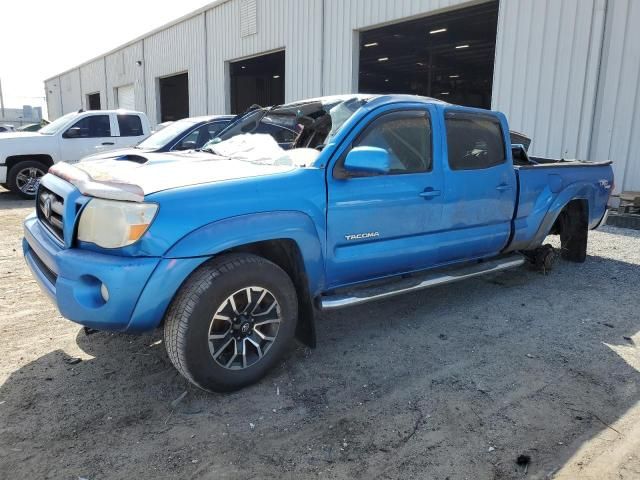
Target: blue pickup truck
[[233, 251]]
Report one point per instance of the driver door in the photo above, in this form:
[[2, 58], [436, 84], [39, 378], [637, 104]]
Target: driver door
[[383, 225], [87, 136]]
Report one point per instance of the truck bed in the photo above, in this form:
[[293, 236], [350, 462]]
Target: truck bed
[[563, 162], [546, 184]]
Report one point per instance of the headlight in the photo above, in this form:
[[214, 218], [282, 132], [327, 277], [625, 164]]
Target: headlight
[[113, 224]]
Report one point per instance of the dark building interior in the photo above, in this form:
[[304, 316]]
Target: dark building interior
[[174, 97], [449, 56], [258, 80]]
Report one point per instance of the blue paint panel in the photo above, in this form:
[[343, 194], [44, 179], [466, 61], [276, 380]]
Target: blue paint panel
[[539, 205], [162, 286], [226, 234], [79, 275], [394, 208], [479, 204]]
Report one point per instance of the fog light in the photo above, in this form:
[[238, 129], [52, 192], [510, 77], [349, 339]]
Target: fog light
[[104, 292]]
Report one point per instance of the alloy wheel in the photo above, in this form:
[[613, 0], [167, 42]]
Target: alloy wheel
[[244, 327], [28, 179]]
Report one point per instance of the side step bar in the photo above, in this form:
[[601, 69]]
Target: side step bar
[[361, 294]]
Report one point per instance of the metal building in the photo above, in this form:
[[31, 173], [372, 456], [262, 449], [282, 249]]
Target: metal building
[[566, 72]]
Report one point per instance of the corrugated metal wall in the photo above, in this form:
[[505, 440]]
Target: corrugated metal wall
[[292, 25], [54, 100], [70, 91], [92, 80], [177, 49], [343, 18], [122, 69], [616, 133], [546, 71]]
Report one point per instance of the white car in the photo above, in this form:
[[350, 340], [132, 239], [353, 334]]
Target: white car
[[26, 156]]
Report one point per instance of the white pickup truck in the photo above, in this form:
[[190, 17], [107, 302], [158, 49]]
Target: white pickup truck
[[25, 157]]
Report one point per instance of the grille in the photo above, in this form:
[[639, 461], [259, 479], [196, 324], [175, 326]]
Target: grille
[[46, 271], [50, 208]]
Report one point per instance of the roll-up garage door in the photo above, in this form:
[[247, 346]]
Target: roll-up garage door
[[126, 97]]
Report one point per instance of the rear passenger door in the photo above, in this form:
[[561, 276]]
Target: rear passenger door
[[131, 131], [480, 192]]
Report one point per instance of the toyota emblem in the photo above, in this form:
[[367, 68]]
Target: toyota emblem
[[46, 208]]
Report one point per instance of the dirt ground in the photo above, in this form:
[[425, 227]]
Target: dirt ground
[[455, 382]]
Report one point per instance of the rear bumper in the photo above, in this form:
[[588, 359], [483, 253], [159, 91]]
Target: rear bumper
[[139, 288]]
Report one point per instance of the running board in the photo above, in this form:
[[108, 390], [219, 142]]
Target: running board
[[358, 295]]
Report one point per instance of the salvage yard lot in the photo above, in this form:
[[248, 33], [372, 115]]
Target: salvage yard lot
[[454, 382]]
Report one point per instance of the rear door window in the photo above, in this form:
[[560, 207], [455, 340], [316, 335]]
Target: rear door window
[[474, 141], [130, 126]]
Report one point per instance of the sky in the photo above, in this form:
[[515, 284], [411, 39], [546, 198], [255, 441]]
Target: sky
[[41, 38]]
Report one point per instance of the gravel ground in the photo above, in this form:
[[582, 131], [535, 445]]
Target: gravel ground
[[454, 382]]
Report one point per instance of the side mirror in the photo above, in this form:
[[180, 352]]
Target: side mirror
[[367, 161], [73, 132]]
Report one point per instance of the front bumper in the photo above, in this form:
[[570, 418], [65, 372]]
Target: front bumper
[[140, 288]]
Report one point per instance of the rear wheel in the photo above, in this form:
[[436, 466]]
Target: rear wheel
[[231, 321], [24, 178], [574, 234]]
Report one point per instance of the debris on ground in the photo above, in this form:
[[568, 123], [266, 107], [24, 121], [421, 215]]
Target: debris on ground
[[177, 401]]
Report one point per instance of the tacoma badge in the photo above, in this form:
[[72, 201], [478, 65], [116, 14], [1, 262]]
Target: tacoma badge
[[361, 236]]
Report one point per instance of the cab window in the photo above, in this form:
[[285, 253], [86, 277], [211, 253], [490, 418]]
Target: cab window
[[474, 141], [130, 126], [406, 136]]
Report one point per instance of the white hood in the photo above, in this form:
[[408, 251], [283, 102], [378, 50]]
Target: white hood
[[8, 135], [126, 180]]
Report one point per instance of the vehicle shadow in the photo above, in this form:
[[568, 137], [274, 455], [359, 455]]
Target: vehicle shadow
[[455, 381]]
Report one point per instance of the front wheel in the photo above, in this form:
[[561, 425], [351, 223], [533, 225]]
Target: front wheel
[[24, 178], [231, 321]]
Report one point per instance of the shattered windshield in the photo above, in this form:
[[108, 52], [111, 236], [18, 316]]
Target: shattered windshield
[[314, 123]]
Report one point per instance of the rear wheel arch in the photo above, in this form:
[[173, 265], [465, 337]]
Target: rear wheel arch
[[44, 159]]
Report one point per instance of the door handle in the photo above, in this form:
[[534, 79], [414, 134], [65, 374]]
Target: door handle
[[430, 193], [503, 187], [108, 143]]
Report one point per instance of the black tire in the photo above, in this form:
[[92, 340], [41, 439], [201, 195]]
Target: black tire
[[13, 182], [189, 320], [573, 237]]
